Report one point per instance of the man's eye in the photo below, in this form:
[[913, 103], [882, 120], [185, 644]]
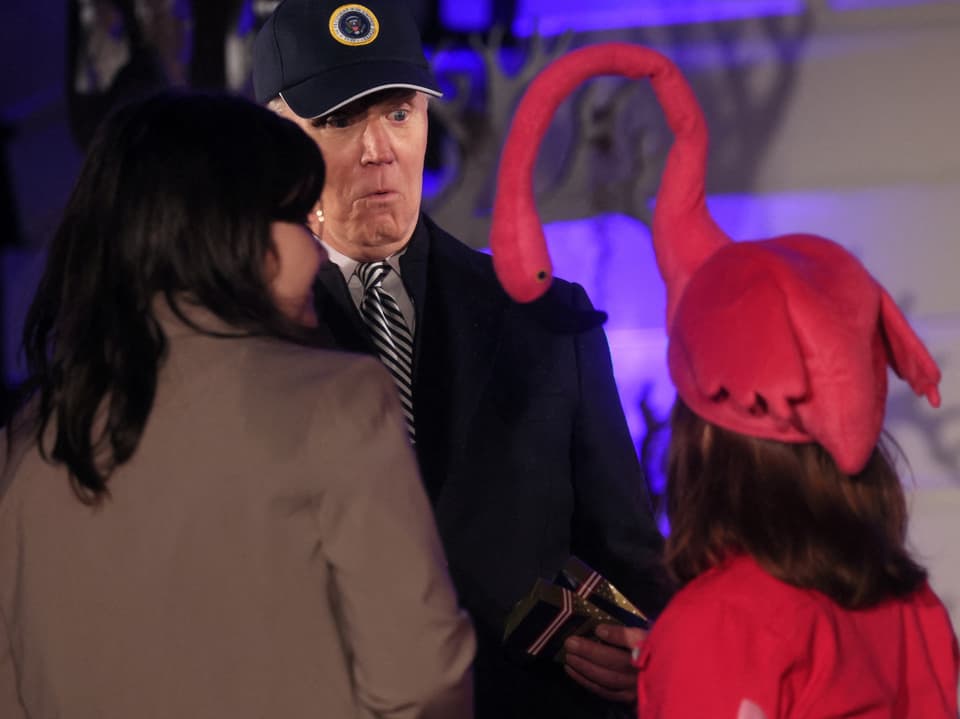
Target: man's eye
[[336, 121], [399, 115]]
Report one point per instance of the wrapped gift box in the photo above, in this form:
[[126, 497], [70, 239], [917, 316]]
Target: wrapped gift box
[[576, 601]]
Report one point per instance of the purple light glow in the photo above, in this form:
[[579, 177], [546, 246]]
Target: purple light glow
[[842, 5], [611, 256], [462, 16], [552, 17]]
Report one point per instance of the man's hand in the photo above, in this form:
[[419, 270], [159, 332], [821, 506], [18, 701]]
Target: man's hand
[[605, 667]]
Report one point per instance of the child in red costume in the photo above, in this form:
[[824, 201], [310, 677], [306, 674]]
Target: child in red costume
[[798, 597]]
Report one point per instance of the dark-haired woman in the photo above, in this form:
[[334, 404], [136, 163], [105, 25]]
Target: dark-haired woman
[[202, 512]]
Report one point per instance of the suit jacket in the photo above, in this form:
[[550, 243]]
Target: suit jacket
[[524, 451], [267, 552]]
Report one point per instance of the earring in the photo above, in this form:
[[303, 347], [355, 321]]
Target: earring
[[319, 214]]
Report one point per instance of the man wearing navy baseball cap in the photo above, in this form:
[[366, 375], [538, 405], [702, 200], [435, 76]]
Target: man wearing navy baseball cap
[[511, 408], [319, 56]]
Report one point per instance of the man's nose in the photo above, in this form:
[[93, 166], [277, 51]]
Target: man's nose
[[377, 148]]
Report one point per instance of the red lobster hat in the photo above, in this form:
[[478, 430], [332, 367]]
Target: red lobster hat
[[786, 338]]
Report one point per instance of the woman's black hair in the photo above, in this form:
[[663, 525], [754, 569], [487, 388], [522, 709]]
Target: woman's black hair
[[173, 203]]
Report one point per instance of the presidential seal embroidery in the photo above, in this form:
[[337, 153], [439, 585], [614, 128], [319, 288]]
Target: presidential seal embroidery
[[354, 25]]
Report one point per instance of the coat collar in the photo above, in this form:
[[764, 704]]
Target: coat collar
[[461, 326], [460, 311]]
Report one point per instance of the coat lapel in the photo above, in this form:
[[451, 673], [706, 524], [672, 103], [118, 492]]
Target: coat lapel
[[335, 309], [460, 311], [459, 333]]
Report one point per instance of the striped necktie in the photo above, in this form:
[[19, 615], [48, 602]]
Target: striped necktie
[[389, 332]]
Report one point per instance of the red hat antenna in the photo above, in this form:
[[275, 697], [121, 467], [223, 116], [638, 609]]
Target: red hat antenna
[[787, 338]]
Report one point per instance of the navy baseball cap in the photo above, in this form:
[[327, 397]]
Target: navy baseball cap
[[320, 55]]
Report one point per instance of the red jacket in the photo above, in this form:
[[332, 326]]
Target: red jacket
[[736, 643]]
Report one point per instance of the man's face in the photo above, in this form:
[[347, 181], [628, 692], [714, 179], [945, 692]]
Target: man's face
[[374, 150]]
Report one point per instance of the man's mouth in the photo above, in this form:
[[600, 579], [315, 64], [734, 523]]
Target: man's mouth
[[379, 195]]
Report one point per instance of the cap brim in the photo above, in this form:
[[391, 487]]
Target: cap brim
[[322, 94]]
